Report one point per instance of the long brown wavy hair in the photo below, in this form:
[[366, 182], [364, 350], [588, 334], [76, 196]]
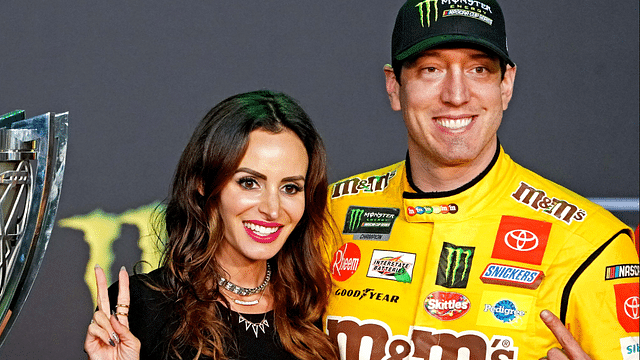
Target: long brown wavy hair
[[300, 281]]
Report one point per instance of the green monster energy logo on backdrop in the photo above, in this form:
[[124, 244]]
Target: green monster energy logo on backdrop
[[428, 8], [454, 266]]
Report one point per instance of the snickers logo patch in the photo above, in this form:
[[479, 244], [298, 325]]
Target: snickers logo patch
[[512, 276]]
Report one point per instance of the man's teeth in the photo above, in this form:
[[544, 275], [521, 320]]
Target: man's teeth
[[455, 124], [261, 230]]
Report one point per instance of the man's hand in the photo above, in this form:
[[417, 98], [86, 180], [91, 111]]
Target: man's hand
[[571, 350]]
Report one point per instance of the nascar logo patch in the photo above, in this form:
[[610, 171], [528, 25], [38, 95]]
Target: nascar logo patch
[[512, 276]]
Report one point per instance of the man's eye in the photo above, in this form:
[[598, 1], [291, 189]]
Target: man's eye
[[480, 69], [248, 183]]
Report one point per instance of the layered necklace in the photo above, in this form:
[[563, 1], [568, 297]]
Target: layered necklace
[[242, 291]]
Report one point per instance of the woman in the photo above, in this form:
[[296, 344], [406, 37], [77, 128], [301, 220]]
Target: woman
[[243, 259]]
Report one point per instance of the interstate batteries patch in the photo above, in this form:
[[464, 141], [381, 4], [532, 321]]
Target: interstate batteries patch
[[369, 223], [392, 265]]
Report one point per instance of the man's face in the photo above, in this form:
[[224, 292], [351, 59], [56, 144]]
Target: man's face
[[452, 101]]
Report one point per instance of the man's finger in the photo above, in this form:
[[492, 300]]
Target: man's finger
[[572, 349]]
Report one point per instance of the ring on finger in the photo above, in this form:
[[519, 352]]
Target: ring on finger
[[122, 306], [121, 313]]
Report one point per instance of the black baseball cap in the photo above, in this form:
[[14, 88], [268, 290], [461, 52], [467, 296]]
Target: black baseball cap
[[425, 24]]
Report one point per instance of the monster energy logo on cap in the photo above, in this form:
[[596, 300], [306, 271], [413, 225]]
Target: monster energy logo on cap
[[454, 266], [370, 223]]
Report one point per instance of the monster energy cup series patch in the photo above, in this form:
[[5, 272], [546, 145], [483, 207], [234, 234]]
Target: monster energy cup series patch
[[370, 223]]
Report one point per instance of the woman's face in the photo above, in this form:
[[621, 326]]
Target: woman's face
[[264, 200]]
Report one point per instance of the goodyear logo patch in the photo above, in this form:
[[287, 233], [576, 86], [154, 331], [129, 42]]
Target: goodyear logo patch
[[512, 276], [505, 310], [392, 265], [369, 223], [622, 271]]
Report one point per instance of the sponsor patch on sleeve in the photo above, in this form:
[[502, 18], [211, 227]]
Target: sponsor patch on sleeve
[[392, 265], [622, 271], [369, 223], [499, 274], [628, 305], [630, 348], [522, 240]]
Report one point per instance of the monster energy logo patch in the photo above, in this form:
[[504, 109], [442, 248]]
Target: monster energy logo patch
[[424, 8], [454, 266], [370, 223]]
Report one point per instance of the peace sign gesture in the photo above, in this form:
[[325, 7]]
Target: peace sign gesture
[[108, 336]]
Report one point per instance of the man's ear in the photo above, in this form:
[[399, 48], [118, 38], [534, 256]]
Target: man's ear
[[393, 87], [506, 86]]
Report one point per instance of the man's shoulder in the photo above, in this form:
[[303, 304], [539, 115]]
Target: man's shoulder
[[561, 205]]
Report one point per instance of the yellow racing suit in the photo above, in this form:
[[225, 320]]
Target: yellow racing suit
[[465, 273]]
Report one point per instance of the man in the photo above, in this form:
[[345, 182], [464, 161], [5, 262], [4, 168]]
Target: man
[[454, 252]]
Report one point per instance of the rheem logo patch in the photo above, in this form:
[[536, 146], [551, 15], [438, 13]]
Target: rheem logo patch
[[345, 261], [522, 240]]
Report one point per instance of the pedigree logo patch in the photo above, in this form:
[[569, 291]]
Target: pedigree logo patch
[[628, 306], [505, 310], [345, 261], [522, 240]]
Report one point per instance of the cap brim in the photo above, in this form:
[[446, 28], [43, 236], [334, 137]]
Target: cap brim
[[448, 39]]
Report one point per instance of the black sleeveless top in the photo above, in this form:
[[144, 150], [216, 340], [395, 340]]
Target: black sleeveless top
[[152, 320]]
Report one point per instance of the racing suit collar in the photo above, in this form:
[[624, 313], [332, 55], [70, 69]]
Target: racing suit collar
[[419, 194]]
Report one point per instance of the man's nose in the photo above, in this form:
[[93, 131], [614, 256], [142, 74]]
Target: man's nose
[[455, 90]]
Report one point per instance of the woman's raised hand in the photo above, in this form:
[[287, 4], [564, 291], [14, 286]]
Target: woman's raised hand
[[108, 336]]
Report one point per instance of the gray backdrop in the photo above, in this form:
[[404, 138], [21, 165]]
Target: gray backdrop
[[136, 76]]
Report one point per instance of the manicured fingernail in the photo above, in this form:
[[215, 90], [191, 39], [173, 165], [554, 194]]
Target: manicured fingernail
[[123, 268], [113, 313], [98, 266], [112, 343], [115, 337]]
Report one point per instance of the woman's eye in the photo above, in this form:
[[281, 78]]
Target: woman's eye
[[248, 183], [292, 189]]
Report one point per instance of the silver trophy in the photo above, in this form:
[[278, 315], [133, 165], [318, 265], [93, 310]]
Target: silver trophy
[[32, 158]]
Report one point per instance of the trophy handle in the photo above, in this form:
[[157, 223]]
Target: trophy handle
[[49, 132]]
